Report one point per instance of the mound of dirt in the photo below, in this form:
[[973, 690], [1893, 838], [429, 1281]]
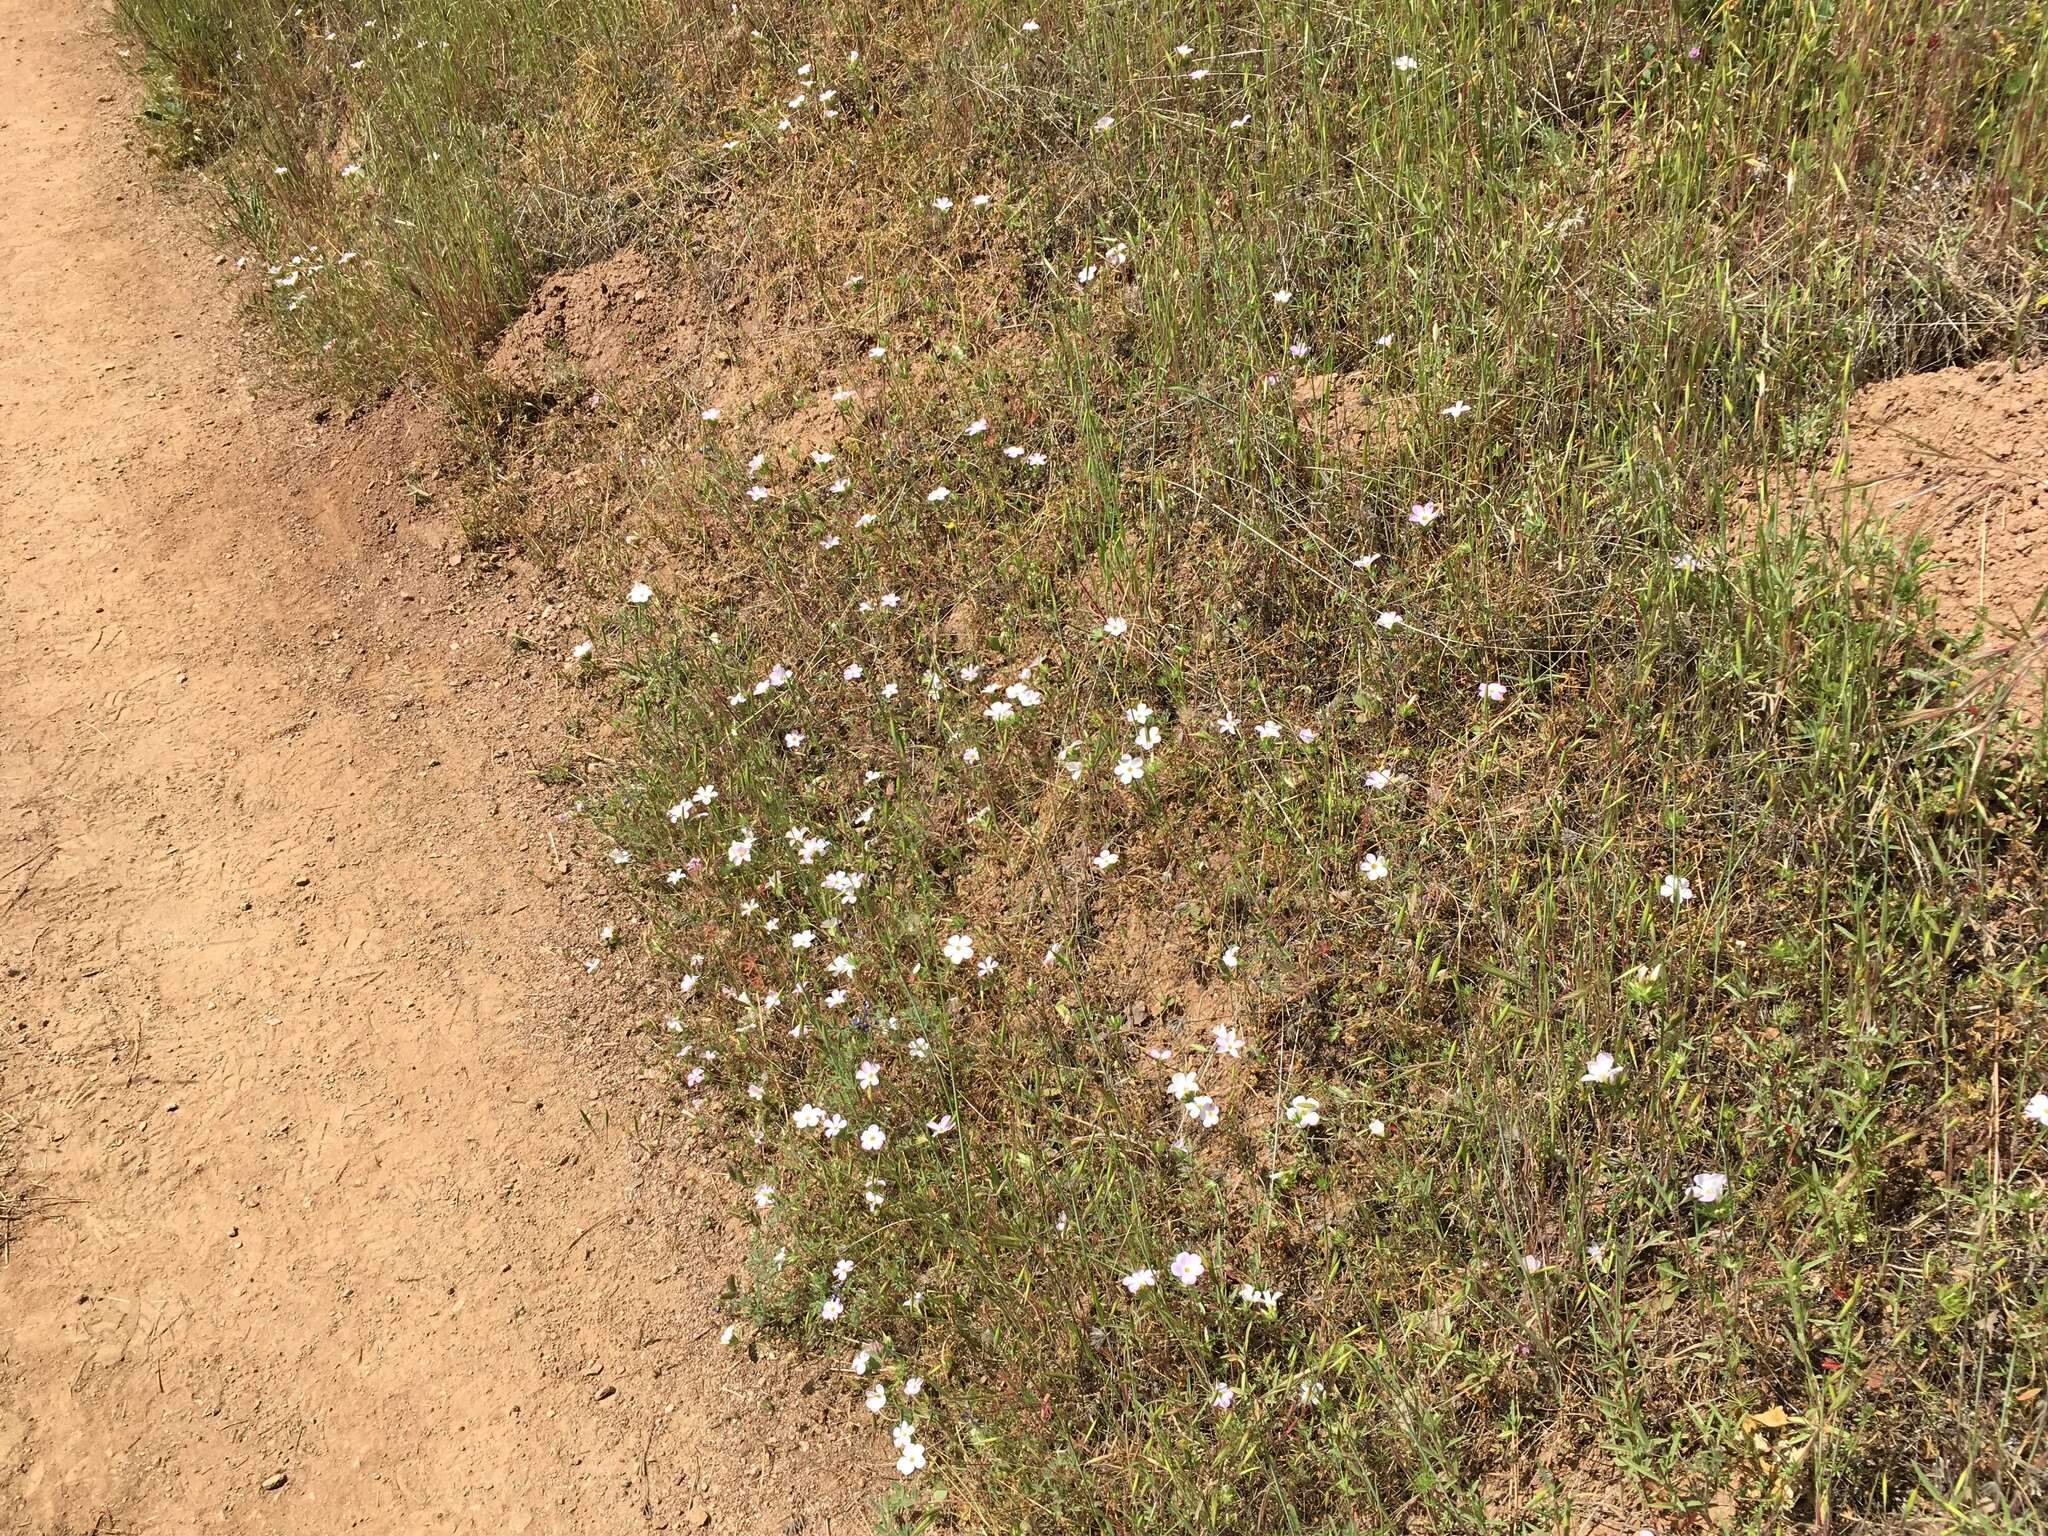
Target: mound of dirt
[[622, 321], [1961, 456], [606, 321]]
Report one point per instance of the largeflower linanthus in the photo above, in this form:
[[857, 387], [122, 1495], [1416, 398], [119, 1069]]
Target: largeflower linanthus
[[1601, 1069], [1707, 1188]]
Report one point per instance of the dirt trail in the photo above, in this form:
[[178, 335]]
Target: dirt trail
[[292, 1052]]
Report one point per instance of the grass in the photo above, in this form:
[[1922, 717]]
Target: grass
[[1653, 248]]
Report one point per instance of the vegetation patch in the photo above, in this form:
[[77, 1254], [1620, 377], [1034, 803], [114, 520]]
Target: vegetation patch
[[1298, 913]]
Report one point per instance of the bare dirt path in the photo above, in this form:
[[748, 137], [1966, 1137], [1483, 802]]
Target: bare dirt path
[[294, 1057]]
